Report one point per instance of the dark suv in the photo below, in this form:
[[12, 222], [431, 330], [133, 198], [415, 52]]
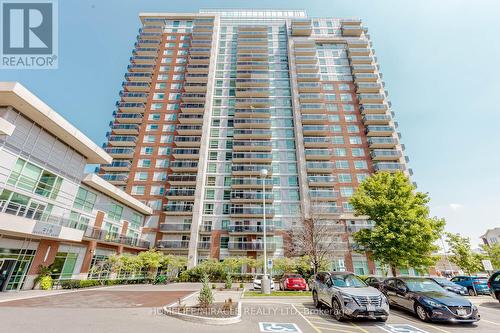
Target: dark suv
[[494, 285]]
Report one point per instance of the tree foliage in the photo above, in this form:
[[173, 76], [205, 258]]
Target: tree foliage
[[206, 297], [462, 254], [404, 234], [493, 254]]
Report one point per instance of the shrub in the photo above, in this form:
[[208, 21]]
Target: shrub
[[205, 298], [229, 282], [242, 286], [214, 286], [46, 282], [161, 279]]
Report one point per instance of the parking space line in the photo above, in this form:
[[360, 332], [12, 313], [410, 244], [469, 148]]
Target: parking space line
[[307, 320], [329, 324], [419, 322], [491, 322], [335, 329], [358, 327]]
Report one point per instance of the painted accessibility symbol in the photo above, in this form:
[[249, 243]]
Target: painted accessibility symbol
[[279, 327]]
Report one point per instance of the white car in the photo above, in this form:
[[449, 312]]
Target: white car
[[257, 281]]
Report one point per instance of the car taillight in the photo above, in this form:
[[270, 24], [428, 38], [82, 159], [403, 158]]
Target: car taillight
[[476, 282], [489, 285]]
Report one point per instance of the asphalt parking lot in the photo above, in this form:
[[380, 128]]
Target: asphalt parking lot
[[136, 309]]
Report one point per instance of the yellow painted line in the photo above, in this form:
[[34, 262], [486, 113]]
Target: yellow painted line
[[358, 327], [491, 322], [336, 329], [330, 324], [307, 320]]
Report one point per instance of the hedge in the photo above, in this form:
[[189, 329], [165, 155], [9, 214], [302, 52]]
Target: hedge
[[76, 284]]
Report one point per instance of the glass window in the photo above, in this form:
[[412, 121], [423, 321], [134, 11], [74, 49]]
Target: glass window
[[115, 212], [84, 200]]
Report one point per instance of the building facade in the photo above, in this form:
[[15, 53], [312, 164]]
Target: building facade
[[491, 236], [212, 98], [51, 212]]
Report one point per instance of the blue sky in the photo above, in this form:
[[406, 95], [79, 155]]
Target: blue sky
[[439, 60]]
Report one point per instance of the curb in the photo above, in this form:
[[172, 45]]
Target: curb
[[204, 320]]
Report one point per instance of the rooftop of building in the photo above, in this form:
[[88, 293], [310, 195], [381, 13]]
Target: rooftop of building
[[16, 95]]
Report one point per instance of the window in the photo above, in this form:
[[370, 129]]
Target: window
[[154, 116], [159, 176], [210, 194], [340, 152], [227, 181], [352, 129], [208, 209], [141, 176], [358, 152], [338, 140], [138, 190], [212, 167], [224, 242], [144, 163], [355, 140], [350, 118], [344, 178], [29, 177], [146, 150], [346, 191], [211, 181], [343, 86], [342, 164], [115, 212], [361, 176], [84, 200], [360, 165]]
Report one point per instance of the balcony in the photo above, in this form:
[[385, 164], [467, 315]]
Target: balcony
[[389, 166], [145, 51], [136, 86], [202, 28], [249, 170], [323, 195], [132, 129], [313, 108], [311, 98], [184, 166], [113, 237], [365, 77], [317, 141], [127, 107], [200, 51], [357, 60], [251, 246], [316, 130], [385, 155], [352, 31], [178, 208], [252, 123], [373, 108], [175, 228], [371, 98], [252, 145], [384, 142], [134, 97], [152, 28], [376, 119], [192, 107], [251, 182], [150, 35], [252, 41], [301, 30], [142, 42], [320, 167], [181, 179], [305, 87], [187, 118], [252, 134], [197, 68], [187, 141], [189, 129], [306, 77], [141, 68], [185, 154], [311, 60], [193, 97], [368, 87], [196, 77], [252, 92], [202, 35], [198, 60], [128, 118], [321, 180], [117, 165], [250, 196], [252, 157], [146, 60], [180, 194], [305, 68], [250, 229], [379, 130], [356, 69], [168, 244], [204, 245], [305, 52], [353, 52], [192, 87], [357, 43], [122, 140], [120, 152], [250, 211], [115, 178], [252, 113], [242, 49], [318, 154], [314, 119], [252, 82]]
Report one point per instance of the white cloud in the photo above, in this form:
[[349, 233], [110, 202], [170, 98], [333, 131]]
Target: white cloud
[[455, 206]]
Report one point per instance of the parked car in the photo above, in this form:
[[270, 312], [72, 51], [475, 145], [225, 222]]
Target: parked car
[[494, 285], [374, 281], [428, 300], [349, 297], [450, 286], [257, 281], [292, 281], [475, 285]]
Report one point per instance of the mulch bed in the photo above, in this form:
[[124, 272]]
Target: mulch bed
[[216, 310]]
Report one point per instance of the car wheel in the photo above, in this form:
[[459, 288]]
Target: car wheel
[[337, 310], [381, 319], [471, 292], [317, 303], [421, 313]]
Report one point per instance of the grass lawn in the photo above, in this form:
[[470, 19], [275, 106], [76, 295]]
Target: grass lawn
[[252, 293]]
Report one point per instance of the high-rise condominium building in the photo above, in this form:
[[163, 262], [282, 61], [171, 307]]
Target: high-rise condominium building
[[212, 98]]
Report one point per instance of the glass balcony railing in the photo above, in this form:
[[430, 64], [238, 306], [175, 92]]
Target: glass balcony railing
[[173, 244], [251, 246], [177, 206], [389, 166], [181, 178], [252, 181]]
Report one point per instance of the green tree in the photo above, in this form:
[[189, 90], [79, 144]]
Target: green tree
[[462, 254], [493, 254], [404, 234], [151, 260], [206, 297]]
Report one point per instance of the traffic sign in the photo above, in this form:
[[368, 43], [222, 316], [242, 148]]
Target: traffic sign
[[487, 265]]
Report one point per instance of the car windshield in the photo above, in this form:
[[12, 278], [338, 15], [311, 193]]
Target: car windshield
[[423, 285], [444, 281], [347, 281]]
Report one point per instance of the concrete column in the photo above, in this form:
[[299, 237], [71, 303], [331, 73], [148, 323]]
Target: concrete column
[[124, 228], [87, 259], [215, 246], [99, 218], [45, 255]]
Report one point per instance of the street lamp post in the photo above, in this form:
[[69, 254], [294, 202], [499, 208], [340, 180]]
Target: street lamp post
[[266, 282]]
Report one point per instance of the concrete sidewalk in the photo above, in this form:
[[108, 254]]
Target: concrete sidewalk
[[25, 294]]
